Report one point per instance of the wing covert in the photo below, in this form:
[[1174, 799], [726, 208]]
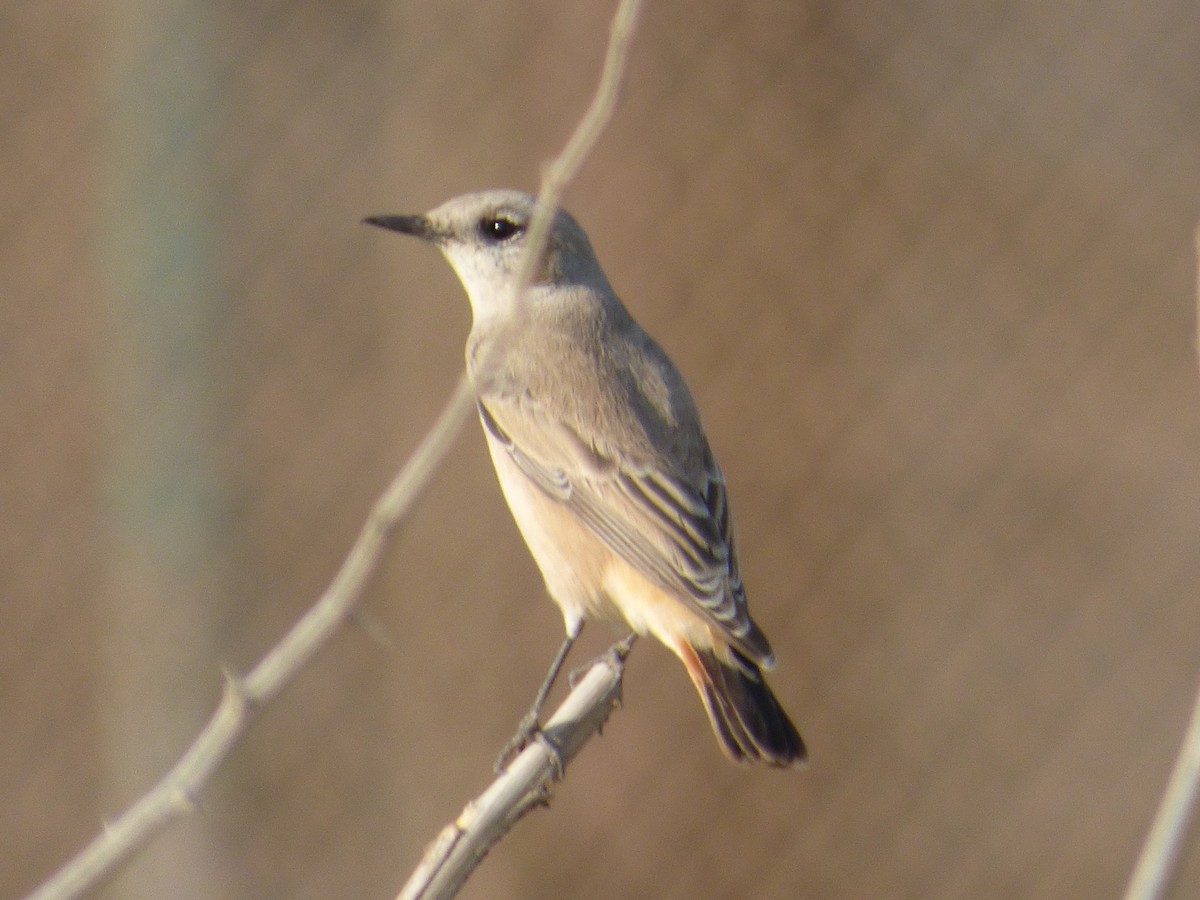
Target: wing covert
[[675, 530]]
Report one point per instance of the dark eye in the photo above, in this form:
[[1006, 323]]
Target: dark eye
[[498, 229]]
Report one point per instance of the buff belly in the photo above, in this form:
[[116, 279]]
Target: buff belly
[[583, 576]]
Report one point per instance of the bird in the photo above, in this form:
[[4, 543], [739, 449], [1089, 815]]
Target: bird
[[600, 453]]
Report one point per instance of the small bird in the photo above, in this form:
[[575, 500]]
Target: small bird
[[601, 456]]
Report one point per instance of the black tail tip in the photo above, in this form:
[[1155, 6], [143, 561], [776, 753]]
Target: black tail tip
[[749, 721], [772, 739]]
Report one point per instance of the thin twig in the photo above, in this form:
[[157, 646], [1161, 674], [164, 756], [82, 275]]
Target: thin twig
[[559, 172], [1157, 864], [175, 795], [525, 784], [462, 844], [565, 166]]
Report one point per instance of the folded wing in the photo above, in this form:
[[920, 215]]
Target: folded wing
[[672, 527]]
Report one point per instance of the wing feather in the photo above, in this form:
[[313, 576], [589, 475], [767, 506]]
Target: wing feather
[[672, 528]]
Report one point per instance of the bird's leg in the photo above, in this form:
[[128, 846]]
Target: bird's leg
[[529, 725]]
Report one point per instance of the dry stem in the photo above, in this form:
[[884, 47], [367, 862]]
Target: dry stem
[[1159, 859], [175, 795]]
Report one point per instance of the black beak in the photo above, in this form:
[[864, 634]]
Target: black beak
[[417, 226]]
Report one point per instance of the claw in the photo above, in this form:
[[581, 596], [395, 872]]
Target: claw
[[527, 731]]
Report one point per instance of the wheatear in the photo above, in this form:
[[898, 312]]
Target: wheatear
[[600, 453]]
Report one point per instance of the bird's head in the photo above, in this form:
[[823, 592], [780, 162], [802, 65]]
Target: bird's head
[[484, 237]]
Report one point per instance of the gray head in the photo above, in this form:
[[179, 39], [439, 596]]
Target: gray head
[[483, 236]]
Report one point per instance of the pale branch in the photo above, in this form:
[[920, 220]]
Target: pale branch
[[564, 167], [461, 846], [1160, 856], [525, 784], [1159, 859], [175, 795]]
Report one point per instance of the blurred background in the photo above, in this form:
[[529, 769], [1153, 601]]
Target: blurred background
[[929, 270]]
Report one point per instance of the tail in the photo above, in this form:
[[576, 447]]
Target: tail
[[747, 719]]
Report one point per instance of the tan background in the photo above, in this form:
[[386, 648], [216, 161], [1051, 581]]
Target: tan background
[[928, 268]]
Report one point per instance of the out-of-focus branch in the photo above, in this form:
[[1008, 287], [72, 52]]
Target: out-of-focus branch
[[525, 784], [462, 845], [175, 795], [1157, 863], [565, 166], [1160, 855], [559, 172]]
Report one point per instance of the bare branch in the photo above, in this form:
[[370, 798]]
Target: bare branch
[[1159, 859], [565, 166], [462, 844], [525, 784], [1156, 865], [174, 796]]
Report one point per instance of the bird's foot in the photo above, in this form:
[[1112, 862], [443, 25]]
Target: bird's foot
[[527, 732]]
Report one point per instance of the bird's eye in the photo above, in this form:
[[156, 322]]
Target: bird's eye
[[498, 229]]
